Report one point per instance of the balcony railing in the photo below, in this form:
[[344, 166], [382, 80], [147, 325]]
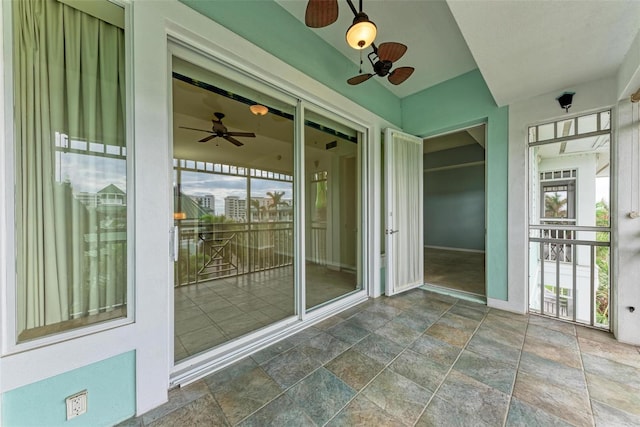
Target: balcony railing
[[572, 281], [212, 251]]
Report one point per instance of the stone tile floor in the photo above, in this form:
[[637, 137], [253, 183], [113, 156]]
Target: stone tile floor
[[213, 312], [420, 359]]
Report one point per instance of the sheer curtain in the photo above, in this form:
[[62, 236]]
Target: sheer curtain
[[69, 116]]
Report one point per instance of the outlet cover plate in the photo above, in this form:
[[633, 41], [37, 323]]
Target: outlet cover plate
[[76, 404]]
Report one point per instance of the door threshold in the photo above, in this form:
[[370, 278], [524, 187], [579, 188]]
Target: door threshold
[[468, 296]]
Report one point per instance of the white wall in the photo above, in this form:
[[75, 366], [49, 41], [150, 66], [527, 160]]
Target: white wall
[[626, 261]]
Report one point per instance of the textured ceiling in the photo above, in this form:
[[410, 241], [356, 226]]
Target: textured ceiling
[[528, 48], [523, 48], [436, 48]]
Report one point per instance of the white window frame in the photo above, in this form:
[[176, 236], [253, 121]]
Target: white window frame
[[9, 307]]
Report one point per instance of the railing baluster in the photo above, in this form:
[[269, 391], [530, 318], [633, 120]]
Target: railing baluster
[[593, 293], [542, 279]]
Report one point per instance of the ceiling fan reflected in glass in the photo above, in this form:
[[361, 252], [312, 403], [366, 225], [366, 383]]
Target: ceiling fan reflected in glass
[[220, 130], [382, 59]]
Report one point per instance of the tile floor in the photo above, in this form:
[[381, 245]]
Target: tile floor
[[420, 359], [213, 312], [458, 270]]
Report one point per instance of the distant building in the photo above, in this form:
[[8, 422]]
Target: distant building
[[235, 208], [112, 196], [207, 202], [108, 196]]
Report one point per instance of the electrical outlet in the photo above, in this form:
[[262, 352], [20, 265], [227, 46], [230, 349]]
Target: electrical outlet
[[76, 404]]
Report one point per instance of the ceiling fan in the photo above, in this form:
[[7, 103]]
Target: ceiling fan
[[320, 13], [382, 59], [220, 130]]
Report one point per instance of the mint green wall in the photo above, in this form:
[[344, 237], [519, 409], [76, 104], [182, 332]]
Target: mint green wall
[[461, 102], [269, 26], [111, 399]]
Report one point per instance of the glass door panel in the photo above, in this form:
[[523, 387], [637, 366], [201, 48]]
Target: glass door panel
[[332, 208], [233, 209]]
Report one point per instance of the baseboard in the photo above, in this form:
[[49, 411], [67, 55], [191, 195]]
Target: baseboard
[[503, 305], [454, 249]]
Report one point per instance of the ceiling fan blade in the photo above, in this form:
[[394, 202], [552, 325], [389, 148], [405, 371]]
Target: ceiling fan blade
[[245, 134], [359, 79], [401, 74], [207, 138], [233, 141], [201, 130], [321, 13], [391, 51]]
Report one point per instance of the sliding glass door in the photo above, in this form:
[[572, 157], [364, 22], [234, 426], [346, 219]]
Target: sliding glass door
[[332, 208], [249, 258], [233, 210]]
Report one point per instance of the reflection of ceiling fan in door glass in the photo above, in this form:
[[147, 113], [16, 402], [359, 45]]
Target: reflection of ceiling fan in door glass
[[218, 129]]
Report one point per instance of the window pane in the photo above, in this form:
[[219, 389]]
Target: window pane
[[555, 202], [588, 123], [565, 128], [605, 120], [545, 132], [234, 273], [71, 185], [332, 209]]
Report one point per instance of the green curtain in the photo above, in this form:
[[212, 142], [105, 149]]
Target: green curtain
[[69, 81]]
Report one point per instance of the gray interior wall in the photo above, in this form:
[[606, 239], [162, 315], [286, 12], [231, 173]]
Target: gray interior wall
[[454, 199]]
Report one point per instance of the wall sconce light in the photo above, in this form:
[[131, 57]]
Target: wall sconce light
[[179, 216], [565, 100], [362, 32], [258, 109]]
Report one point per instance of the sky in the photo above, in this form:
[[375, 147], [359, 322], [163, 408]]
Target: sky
[[221, 186], [602, 189], [90, 174]]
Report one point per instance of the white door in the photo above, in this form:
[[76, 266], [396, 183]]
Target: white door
[[404, 223]]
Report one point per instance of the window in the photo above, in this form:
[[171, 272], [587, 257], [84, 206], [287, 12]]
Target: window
[[558, 196], [71, 179]]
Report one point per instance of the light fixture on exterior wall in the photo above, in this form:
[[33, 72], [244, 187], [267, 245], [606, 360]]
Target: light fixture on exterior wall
[[565, 100], [258, 109], [362, 32]]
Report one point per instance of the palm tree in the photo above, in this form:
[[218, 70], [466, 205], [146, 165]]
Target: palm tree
[[255, 204], [555, 205], [276, 198]]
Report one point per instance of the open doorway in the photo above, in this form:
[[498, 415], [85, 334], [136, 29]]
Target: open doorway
[[454, 212]]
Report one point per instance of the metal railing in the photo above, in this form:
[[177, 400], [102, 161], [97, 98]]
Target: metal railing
[[210, 251], [585, 261]]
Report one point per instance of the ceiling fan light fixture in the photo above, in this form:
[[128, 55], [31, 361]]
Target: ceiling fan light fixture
[[362, 32], [258, 109]]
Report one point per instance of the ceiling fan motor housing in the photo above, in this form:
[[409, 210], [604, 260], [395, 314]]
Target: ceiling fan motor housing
[[382, 68]]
